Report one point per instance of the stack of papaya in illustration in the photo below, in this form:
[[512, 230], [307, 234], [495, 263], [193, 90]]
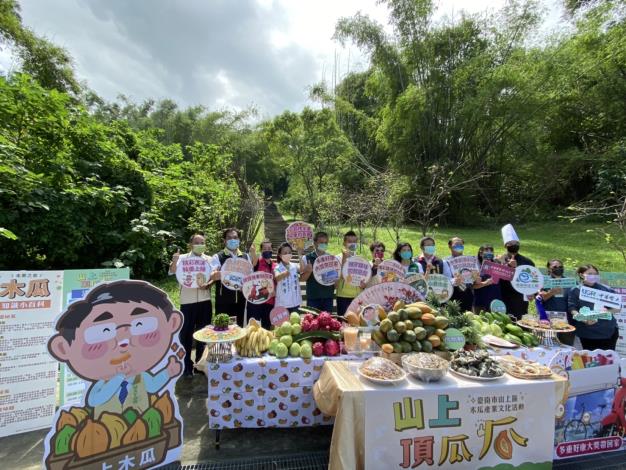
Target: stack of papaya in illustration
[[85, 441]]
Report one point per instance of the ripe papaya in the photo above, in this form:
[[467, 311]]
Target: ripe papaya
[[428, 319]]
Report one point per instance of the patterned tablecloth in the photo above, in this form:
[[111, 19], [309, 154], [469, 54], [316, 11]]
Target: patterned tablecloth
[[265, 392]]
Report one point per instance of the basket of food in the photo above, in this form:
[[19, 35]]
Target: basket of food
[[425, 366], [381, 371]]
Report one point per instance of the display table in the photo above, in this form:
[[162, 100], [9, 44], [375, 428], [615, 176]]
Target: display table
[[339, 392]]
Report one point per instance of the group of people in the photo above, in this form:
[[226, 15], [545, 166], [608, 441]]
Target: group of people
[[476, 294]]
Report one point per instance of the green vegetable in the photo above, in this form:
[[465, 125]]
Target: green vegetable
[[514, 329], [393, 336], [154, 420], [63, 439], [130, 415]]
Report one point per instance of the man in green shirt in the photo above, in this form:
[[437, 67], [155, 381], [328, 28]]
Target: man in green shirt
[[317, 295]]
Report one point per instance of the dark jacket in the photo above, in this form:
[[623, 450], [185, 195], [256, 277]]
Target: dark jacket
[[602, 329]]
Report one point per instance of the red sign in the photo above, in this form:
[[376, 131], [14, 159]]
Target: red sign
[[497, 271], [588, 446], [279, 315]]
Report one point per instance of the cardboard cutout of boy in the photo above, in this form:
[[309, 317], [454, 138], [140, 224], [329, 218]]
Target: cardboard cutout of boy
[[122, 339]]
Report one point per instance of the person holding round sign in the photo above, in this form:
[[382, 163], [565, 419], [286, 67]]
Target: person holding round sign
[[485, 291], [229, 301], [516, 303], [463, 292], [193, 270], [320, 285], [287, 277], [264, 264], [346, 290], [403, 254], [593, 334], [555, 300]]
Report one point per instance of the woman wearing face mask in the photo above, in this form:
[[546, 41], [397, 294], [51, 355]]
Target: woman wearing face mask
[[555, 300], [428, 261], [317, 295], [462, 293], [403, 254], [485, 291], [287, 277], [195, 304], [593, 334], [378, 255], [264, 264], [229, 301]]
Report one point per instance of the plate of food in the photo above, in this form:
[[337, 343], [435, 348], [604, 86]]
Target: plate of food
[[381, 371], [556, 325], [425, 366], [524, 369], [475, 365], [210, 334], [499, 342]]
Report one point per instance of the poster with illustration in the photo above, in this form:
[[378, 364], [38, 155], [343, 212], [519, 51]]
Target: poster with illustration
[[299, 235], [258, 287], [385, 294], [464, 266], [326, 269], [233, 272], [390, 271], [194, 271], [356, 271], [122, 339]]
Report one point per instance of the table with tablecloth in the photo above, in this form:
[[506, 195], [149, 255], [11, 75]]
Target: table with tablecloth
[[341, 393]]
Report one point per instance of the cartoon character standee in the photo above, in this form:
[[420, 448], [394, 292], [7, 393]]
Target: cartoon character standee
[[121, 339]]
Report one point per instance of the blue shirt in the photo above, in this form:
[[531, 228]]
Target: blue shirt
[[104, 390]]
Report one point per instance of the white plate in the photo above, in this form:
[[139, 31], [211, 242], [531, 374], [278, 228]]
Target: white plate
[[383, 381], [499, 342], [478, 379]]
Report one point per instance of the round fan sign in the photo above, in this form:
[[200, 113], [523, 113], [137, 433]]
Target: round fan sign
[[326, 269], [497, 306], [441, 286], [299, 235], [527, 280], [385, 294], [233, 272], [418, 282], [390, 271], [258, 287], [356, 270], [193, 271]]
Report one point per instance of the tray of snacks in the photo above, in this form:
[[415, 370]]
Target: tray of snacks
[[475, 365], [560, 326], [523, 369], [381, 371], [425, 366]]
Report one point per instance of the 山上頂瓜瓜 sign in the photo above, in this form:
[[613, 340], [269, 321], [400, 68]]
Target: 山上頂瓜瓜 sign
[[465, 266], [193, 271]]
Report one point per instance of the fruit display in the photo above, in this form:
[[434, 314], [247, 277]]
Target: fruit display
[[81, 435], [425, 367], [256, 341], [500, 325], [475, 364], [415, 327], [381, 370], [312, 335], [524, 369]]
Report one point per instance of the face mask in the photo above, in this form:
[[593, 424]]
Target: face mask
[[352, 247], [406, 255], [232, 244], [488, 255], [557, 271], [322, 247], [512, 249], [592, 278], [458, 248], [286, 258], [267, 254], [198, 249], [429, 250]]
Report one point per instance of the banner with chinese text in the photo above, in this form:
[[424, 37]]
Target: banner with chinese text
[[460, 424], [29, 303]]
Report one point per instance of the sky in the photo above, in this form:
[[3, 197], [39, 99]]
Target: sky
[[217, 53]]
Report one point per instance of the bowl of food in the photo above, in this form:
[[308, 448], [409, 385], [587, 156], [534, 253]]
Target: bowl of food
[[425, 366], [381, 371]]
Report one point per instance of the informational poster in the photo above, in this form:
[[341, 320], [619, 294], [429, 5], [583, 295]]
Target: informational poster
[[440, 286], [76, 284], [356, 270], [326, 269], [621, 323], [465, 266], [258, 287], [299, 235], [460, 424], [29, 303], [122, 339]]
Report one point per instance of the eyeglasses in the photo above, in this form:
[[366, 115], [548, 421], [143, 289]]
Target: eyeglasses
[[107, 331]]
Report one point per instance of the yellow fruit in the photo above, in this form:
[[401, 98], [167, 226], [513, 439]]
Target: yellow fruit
[[352, 318], [439, 332], [92, 439], [166, 407], [66, 418], [137, 432], [398, 305], [434, 340], [428, 319], [387, 348], [80, 414], [116, 425]]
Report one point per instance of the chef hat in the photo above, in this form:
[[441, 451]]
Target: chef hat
[[508, 234]]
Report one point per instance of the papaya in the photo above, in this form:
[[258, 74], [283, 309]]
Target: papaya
[[397, 348], [387, 348], [393, 336], [137, 432], [409, 325], [400, 327], [406, 346], [393, 317], [417, 323], [409, 336], [430, 330], [80, 414], [166, 407], [424, 307], [427, 347], [440, 333], [352, 319], [404, 315], [441, 322], [62, 440], [502, 445], [386, 325], [414, 313], [92, 439], [154, 421], [428, 319], [66, 419], [362, 321], [130, 415], [382, 314], [399, 305], [378, 337], [434, 340], [417, 346], [420, 333], [116, 426]]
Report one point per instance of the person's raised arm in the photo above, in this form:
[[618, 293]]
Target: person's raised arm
[[174, 262], [306, 269]]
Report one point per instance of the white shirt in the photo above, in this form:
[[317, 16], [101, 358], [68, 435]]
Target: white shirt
[[190, 295], [288, 293]]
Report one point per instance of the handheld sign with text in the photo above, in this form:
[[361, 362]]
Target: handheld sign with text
[[600, 299], [193, 271], [586, 314], [233, 272], [418, 282], [497, 306], [441, 286], [356, 270], [527, 280], [278, 316], [497, 271], [299, 235], [454, 339], [326, 269], [466, 266], [258, 287], [390, 271], [558, 283]]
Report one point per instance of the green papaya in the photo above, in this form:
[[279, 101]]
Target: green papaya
[[409, 336], [514, 329], [406, 346], [417, 346], [63, 439], [154, 420], [427, 346], [397, 347], [417, 323], [393, 336], [130, 415], [420, 333], [386, 325]]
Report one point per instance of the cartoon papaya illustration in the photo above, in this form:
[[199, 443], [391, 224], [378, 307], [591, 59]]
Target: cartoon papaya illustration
[[503, 446]]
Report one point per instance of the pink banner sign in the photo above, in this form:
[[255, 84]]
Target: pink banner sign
[[279, 315], [497, 271]]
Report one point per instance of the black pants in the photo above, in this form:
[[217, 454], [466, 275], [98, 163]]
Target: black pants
[[195, 317], [324, 305], [342, 305], [605, 343], [261, 312], [566, 338]]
